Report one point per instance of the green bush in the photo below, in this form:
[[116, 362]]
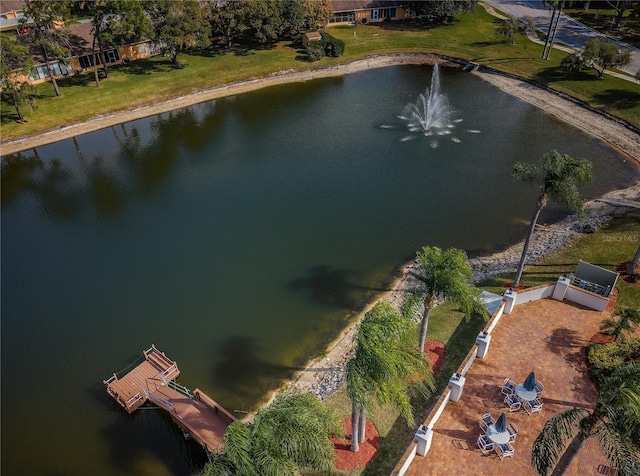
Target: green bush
[[328, 45], [333, 46], [609, 356], [315, 50]]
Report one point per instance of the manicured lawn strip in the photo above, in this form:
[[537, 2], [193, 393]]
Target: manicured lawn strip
[[472, 36], [606, 247]]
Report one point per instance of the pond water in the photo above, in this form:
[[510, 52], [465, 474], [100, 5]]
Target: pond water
[[239, 236]]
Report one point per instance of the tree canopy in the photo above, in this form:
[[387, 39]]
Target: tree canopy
[[558, 179]]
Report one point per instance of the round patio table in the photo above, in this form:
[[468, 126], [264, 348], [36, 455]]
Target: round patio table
[[498, 437], [528, 395]]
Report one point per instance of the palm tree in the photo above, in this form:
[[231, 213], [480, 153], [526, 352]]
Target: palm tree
[[614, 422], [627, 319], [291, 434], [558, 179], [386, 367], [442, 275]]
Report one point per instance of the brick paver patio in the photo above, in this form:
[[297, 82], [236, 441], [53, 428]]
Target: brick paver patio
[[546, 336]]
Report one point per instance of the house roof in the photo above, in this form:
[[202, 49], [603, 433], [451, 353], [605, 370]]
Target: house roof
[[354, 5], [11, 5]]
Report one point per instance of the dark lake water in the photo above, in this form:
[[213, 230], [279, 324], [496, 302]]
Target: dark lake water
[[239, 236]]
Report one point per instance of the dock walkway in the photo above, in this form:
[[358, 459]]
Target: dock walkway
[[153, 380]]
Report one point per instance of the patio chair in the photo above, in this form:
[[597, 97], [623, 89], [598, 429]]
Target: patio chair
[[508, 387], [513, 403], [505, 450], [487, 420], [486, 447], [539, 387], [533, 406], [513, 432]]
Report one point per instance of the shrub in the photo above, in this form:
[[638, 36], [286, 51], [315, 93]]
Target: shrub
[[333, 46], [315, 50], [607, 357], [328, 45]]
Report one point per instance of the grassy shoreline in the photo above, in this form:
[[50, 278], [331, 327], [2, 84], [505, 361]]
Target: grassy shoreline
[[472, 36]]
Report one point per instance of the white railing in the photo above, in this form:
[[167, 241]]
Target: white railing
[[472, 358], [137, 397], [180, 388]]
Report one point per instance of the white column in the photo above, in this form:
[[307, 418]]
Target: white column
[[483, 341], [509, 297], [456, 384]]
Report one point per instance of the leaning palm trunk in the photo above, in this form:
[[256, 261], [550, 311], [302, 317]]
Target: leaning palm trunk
[[424, 325], [362, 423], [355, 412], [542, 202]]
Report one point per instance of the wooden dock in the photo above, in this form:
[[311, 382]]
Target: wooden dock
[[153, 380]]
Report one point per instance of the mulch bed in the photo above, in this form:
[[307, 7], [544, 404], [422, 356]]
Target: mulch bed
[[632, 279], [345, 459], [601, 338], [435, 351]]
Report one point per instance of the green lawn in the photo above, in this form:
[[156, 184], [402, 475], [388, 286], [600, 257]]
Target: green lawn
[[606, 247], [472, 36]]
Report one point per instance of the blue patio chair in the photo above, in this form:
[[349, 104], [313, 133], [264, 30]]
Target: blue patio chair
[[508, 387], [487, 420], [513, 432], [486, 447], [534, 406], [539, 387], [513, 403], [505, 450]]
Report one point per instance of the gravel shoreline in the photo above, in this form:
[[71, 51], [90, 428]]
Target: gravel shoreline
[[326, 375]]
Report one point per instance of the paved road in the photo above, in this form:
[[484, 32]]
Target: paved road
[[570, 32]]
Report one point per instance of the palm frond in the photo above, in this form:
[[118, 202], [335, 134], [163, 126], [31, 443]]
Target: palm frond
[[219, 464], [550, 444], [238, 445], [618, 450]]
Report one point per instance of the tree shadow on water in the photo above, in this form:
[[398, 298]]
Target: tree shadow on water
[[243, 376], [333, 287], [148, 438]]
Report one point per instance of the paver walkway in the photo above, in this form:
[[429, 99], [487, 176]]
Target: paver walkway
[[546, 336]]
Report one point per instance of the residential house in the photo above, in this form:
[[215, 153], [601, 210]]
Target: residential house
[[368, 11]]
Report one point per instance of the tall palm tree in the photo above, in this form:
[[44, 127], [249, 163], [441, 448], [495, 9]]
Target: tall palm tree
[[558, 179], [442, 275], [291, 434], [386, 367], [627, 319], [614, 422]]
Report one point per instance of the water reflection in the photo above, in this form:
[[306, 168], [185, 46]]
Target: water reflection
[[140, 164]]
